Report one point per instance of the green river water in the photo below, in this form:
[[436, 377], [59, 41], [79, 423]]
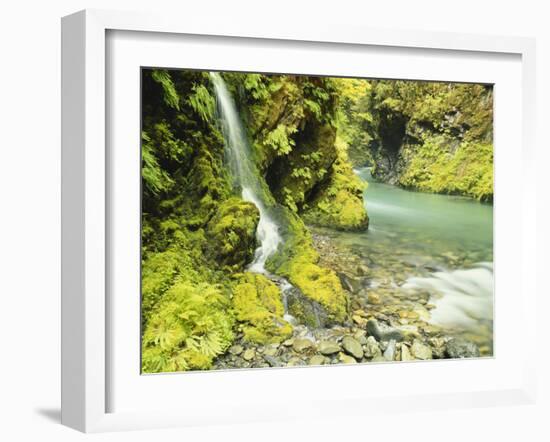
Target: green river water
[[438, 245]]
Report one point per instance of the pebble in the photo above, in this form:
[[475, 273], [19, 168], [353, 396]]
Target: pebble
[[273, 362], [389, 353], [345, 359], [421, 351], [317, 360], [372, 349], [383, 333], [236, 349], [300, 345], [406, 354], [249, 354], [352, 347], [460, 348], [328, 347]]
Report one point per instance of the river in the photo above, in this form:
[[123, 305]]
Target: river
[[437, 245]]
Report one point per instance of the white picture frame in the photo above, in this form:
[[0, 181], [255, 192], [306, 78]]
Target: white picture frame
[[86, 206]]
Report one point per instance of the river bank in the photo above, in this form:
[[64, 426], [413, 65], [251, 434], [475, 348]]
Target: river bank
[[417, 291]]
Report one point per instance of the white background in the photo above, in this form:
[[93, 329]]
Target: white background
[[30, 216]]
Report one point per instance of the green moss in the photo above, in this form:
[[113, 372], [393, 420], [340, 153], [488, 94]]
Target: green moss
[[231, 233], [259, 307], [466, 170], [191, 325], [297, 261], [339, 202]]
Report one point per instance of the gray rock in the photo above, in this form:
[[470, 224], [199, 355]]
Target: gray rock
[[383, 332], [306, 310], [352, 347], [328, 347], [301, 345], [350, 283], [421, 351], [272, 361], [372, 349], [461, 348], [405, 353], [236, 349], [389, 353]]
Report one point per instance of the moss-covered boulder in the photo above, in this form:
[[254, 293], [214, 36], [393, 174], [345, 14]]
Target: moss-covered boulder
[[297, 261], [259, 308], [338, 202], [231, 233]]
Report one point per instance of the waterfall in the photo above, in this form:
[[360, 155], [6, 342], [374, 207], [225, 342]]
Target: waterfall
[[245, 174]]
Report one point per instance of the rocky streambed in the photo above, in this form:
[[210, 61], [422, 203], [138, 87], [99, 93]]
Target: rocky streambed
[[387, 323]]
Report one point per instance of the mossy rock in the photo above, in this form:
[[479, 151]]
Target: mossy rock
[[297, 261], [231, 233], [338, 202], [258, 306]]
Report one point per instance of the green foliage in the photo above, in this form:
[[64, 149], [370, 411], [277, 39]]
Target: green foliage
[[298, 260], [279, 139], [466, 171], [203, 102], [171, 97], [231, 233], [190, 326], [259, 307], [339, 202]]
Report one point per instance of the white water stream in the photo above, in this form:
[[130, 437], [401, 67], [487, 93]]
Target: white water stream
[[243, 170]]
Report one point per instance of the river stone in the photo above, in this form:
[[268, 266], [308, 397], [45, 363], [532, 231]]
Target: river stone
[[293, 362], [345, 359], [300, 345], [270, 351], [350, 283], [405, 353], [389, 353], [383, 332], [372, 349], [379, 359], [288, 342], [421, 351], [461, 348], [272, 361], [249, 354], [328, 347], [317, 360], [236, 349], [352, 347]]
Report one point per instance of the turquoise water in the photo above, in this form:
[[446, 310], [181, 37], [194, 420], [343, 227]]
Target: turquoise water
[[436, 244], [428, 226]]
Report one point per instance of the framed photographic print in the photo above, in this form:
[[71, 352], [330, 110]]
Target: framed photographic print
[[277, 223]]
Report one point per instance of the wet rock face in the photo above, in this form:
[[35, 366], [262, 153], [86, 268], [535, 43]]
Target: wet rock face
[[306, 310]]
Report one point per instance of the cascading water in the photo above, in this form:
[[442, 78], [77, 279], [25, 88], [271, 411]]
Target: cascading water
[[239, 158]]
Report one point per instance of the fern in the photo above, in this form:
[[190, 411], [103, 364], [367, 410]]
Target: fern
[[170, 96]]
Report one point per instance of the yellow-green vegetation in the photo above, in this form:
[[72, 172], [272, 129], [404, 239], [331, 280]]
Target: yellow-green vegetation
[[190, 326], [259, 308], [466, 171], [340, 203], [298, 260], [198, 235], [231, 233], [427, 136]]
